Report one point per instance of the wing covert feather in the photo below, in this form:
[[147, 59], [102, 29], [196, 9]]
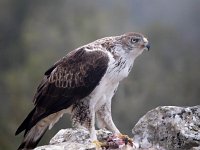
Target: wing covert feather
[[72, 78]]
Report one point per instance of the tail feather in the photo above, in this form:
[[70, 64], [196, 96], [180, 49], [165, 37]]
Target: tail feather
[[33, 136], [25, 123]]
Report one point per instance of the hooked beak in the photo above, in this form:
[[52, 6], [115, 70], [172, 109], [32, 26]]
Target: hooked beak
[[147, 44]]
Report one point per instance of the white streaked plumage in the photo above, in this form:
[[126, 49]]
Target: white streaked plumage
[[83, 83]]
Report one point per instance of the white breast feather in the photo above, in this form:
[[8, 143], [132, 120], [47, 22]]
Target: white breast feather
[[104, 92]]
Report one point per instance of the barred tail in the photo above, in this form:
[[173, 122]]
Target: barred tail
[[33, 136]]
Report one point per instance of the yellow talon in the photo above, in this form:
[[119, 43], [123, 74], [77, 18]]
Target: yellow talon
[[123, 136], [97, 143]]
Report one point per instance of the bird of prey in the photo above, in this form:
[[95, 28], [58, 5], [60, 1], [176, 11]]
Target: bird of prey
[[82, 84]]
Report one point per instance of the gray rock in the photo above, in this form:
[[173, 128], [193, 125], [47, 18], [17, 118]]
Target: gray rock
[[170, 128], [77, 139], [163, 128], [70, 139]]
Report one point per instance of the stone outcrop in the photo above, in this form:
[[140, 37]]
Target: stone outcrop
[[170, 128], [78, 139], [69, 139], [163, 128]]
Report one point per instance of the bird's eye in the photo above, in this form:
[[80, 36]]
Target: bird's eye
[[134, 40]]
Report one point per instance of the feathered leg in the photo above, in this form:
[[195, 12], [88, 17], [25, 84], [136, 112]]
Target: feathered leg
[[92, 126], [105, 119]]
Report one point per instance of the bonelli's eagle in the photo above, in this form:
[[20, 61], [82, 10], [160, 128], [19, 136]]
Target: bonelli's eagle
[[82, 83]]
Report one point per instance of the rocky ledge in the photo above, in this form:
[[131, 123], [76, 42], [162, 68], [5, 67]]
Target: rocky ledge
[[163, 128]]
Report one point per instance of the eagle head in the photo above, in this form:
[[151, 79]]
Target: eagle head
[[133, 43]]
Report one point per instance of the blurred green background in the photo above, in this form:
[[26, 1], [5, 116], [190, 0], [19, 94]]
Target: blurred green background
[[35, 34]]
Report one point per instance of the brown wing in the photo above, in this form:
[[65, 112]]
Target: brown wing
[[70, 79]]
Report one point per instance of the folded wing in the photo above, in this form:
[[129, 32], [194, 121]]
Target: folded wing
[[70, 79]]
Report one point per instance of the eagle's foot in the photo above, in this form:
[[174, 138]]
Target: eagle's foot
[[98, 144]]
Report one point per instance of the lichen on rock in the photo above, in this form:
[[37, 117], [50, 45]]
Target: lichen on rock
[[163, 128], [78, 139], [169, 127]]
